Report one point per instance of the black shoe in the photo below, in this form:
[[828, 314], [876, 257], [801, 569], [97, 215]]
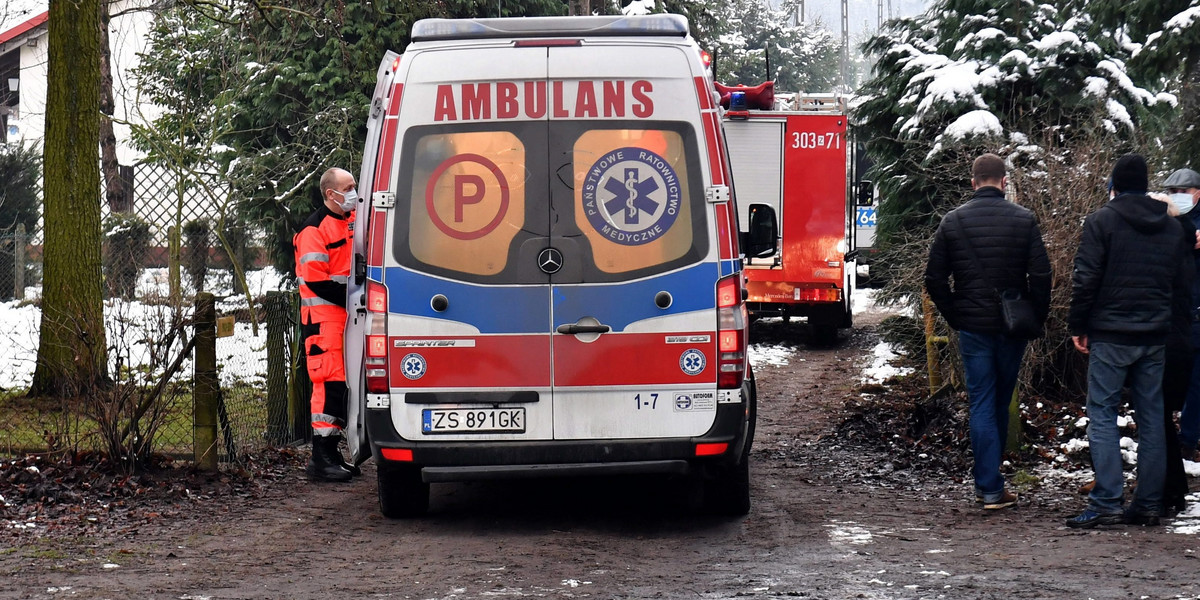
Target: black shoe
[[1090, 518], [1144, 519], [321, 466], [335, 456]]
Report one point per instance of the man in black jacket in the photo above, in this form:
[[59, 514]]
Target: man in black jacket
[[1005, 252], [1130, 259]]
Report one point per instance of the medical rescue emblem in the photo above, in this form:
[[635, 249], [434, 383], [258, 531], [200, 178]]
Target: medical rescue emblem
[[692, 361], [631, 196], [413, 365]]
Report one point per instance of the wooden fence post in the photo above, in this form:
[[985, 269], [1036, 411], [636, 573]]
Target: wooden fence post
[[19, 263], [933, 345], [204, 432]]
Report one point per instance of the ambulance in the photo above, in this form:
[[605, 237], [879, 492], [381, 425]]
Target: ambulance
[[793, 157], [547, 276]]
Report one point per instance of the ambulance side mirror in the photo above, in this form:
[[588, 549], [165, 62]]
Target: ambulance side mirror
[[762, 241], [866, 193]]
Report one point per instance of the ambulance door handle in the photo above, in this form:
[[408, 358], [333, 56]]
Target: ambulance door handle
[[575, 328]]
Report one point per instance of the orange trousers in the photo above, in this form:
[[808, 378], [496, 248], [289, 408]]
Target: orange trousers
[[327, 370]]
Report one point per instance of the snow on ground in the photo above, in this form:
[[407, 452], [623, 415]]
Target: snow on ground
[[129, 324], [881, 368]]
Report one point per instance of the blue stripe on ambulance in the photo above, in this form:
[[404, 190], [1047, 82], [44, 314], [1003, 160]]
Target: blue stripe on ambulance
[[619, 304], [490, 309], [731, 266], [515, 309]]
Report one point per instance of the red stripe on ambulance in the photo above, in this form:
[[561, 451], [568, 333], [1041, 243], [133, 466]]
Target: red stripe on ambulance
[[376, 233], [520, 361], [626, 359], [387, 145]]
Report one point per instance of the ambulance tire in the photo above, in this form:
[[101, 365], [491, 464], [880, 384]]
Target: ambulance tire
[[727, 487], [402, 493]]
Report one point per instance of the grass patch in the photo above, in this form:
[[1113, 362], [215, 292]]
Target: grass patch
[[39, 425]]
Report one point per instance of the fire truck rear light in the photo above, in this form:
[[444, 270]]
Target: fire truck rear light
[[817, 294], [397, 454], [395, 64], [711, 449]]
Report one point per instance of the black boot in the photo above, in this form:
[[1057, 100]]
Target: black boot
[[322, 467], [335, 456]]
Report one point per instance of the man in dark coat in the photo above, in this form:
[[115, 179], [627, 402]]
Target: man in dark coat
[[985, 245], [1130, 260]]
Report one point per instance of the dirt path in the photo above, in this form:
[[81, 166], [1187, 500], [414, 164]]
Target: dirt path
[[828, 521]]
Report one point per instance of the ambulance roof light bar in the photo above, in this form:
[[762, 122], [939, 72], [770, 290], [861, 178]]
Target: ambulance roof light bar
[[525, 27]]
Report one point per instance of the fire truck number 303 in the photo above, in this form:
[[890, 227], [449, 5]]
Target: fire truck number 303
[[812, 139]]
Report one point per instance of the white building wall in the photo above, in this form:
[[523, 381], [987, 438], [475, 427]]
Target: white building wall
[[32, 93], [127, 38]]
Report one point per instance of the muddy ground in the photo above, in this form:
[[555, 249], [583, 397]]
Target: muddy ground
[[832, 517]]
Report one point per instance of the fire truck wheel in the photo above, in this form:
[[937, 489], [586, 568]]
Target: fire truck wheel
[[824, 334], [402, 494]]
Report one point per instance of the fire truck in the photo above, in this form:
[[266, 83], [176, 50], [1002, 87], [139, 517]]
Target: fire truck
[[792, 155]]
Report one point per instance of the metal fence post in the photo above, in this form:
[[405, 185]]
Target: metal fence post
[[19, 263], [301, 386], [173, 254], [204, 411], [277, 367]]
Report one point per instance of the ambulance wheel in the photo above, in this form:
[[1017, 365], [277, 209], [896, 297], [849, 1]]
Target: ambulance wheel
[[402, 494], [727, 487]]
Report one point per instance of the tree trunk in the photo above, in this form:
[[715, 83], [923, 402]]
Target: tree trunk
[[579, 7], [116, 190], [1187, 141], [71, 356]]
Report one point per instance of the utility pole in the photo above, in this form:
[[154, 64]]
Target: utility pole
[[800, 12], [879, 23], [845, 45]]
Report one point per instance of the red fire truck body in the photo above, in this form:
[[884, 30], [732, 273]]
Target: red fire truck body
[[795, 161]]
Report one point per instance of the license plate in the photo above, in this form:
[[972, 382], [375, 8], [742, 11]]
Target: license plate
[[473, 420]]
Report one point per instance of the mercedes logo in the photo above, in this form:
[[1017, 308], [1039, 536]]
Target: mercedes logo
[[550, 261]]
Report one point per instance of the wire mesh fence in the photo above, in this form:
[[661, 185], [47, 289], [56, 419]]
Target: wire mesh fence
[[156, 257]]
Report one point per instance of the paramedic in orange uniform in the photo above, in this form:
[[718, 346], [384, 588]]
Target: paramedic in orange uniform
[[323, 255]]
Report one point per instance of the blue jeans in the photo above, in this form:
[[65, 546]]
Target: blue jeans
[[991, 363], [1109, 367]]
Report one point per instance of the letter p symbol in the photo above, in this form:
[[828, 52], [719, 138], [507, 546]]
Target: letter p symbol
[[461, 198]]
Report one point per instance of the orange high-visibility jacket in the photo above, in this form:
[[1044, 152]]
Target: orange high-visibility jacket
[[323, 254]]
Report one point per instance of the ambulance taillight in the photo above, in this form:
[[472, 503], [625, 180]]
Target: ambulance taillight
[[377, 346], [731, 333]]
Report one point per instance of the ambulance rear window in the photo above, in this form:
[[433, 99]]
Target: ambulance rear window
[[632, 197], [479, 202]]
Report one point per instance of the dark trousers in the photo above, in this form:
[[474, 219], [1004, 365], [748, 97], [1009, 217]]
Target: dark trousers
[[1177, 375]]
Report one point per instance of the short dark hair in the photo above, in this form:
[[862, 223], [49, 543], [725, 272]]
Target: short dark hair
[[988, 167]]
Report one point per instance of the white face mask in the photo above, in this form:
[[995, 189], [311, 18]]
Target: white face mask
[[1182, 201], [348, 199]]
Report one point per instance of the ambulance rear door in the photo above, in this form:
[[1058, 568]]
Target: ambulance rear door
[[469, 325], [631, 256]]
